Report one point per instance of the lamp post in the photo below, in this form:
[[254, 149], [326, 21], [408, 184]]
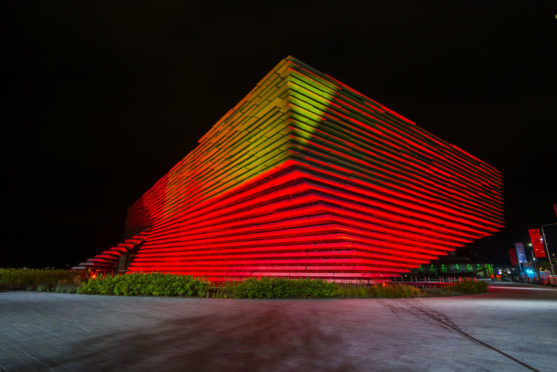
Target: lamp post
[[547, 248]]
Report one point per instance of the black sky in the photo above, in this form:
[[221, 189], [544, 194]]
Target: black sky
[[104, 98]]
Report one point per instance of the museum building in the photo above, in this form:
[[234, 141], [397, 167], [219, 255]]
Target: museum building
[[307, 178]]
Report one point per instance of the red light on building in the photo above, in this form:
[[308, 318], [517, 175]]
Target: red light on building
[[306, 177], [537, 243]]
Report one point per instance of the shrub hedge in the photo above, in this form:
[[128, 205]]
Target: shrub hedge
[[41, 279], [469, 287], [152, 284], [377, 290], [308, 288], [159, 284], [278, 288]]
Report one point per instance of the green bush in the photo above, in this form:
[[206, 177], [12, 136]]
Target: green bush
[[307, 288], [40, 279], [469, 287], [377, 290], [280, 288], [139, 284], [158, 284]]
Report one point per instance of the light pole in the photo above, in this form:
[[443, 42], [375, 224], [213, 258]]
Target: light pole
[[547, 248]]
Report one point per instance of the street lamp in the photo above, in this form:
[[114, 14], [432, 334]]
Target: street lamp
[[547, 248]]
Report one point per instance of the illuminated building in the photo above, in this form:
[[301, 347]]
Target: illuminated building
[[307, 177]]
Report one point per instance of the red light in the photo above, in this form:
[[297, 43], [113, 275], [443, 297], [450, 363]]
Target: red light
[[537, 243]]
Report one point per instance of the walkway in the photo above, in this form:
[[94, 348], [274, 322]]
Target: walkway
[[508, 329]]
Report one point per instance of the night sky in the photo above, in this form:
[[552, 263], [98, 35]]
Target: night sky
[[104, 99]]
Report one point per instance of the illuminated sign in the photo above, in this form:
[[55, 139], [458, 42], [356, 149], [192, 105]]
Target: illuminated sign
[[514, 259], [537, 242], [520, 252]]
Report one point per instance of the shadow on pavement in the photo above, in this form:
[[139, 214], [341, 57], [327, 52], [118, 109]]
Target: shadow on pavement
[[265, 341], [426, 313]]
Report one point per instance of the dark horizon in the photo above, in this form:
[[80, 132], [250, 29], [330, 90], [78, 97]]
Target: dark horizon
[[104, 100]]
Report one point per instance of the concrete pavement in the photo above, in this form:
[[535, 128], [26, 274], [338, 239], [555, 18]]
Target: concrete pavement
[[507, 329]]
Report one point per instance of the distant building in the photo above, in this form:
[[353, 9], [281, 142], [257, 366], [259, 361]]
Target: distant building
[[455, 266], [306, 177]]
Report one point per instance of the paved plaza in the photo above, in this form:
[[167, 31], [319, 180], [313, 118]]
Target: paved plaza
[[507, 329]]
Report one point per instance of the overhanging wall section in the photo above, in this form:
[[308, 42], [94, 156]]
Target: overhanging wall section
[[249, 139], [355, 142]]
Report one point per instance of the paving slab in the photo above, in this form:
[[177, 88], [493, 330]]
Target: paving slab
[[509, 328]]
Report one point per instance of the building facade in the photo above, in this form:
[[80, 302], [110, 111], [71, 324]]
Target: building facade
[[306, 177]]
